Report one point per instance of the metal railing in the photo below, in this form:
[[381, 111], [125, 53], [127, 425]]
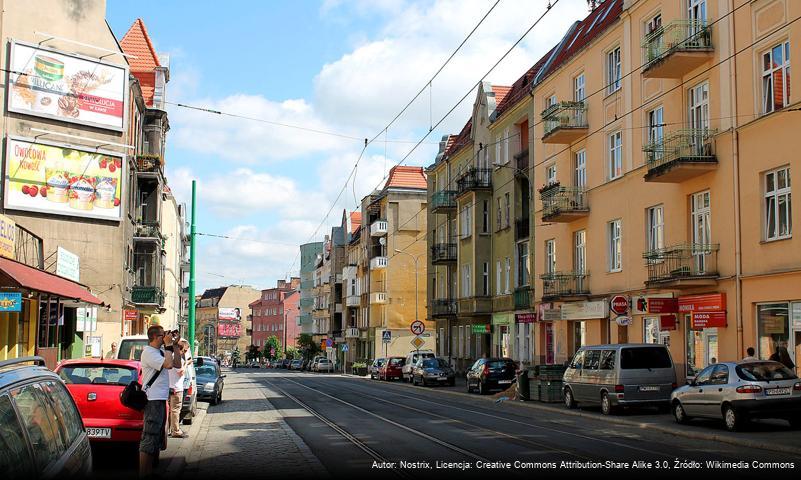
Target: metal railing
[[678, 35], [563, 284], [441, 252], [148, 163], [688, 145], [147, 295], [522, 297], [560, 200], [443, 199], [148, 230], [564, 115], [522, 228], [682, 261], [474, 178], [443, 306], [521, 161]]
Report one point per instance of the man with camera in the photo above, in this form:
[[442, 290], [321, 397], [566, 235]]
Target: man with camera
[[154, 362], [177, 376]]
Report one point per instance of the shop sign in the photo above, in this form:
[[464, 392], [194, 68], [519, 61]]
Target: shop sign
[[86, 319], [584, 310], [53, 84], [130, 315], [525, 318], [68, 265], [482, 329], [619, 304], [702, 320], [713, 302], [231, 314], [10, 302], [623, 321], [664, 303], [640, 304], [8, 233], [551, 314], [541, 308], [502, 319], [61, 180], [667, 322]]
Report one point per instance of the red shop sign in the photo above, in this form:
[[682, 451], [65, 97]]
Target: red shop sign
[[702, 320], [525, 318], [713, 302], [663, 305], [667, 322], [619, 304], [130, 315]]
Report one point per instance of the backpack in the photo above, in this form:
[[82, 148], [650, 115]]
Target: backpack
[[134, 397]]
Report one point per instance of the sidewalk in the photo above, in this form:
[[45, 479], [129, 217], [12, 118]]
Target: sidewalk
[[243, 434]]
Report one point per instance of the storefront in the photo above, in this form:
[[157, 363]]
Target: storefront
[[502, 333], [704, 319], [779, 326], [524, 334], [565, 328]]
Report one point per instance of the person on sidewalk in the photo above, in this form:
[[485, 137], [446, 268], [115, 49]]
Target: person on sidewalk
[[155, 361], [750, 358], [113, 352], [177, 377]]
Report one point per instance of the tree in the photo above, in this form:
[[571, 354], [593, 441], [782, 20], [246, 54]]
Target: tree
[[292, 353], [273, 348], [307, 346], [253, 353]]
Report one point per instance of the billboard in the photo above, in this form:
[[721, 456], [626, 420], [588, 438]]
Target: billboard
[[67, 87], [231, 314], [8, 234], [60, 180], [229, 329]]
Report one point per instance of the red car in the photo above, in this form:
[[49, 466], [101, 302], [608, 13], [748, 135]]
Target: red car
[[95, 385], [392, 369]]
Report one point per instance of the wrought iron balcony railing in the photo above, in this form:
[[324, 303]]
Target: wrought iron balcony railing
[[443, 307], [564, 115], [521, 162], [676, 36], [144, 295], [443, 252], [686, 146], [474, 179], [522, 297], [563, 201], [443, 200], [682, 262], [564, 284]]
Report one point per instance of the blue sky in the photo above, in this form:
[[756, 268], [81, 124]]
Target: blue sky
[[337, 66]]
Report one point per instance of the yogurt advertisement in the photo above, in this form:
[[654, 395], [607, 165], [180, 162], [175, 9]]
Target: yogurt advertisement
[[63, 181], [52, 84]]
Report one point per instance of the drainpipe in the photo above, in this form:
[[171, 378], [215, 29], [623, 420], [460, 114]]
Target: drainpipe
[[735, 146]]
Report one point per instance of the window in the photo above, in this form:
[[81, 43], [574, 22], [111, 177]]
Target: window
[[615, 246], [592, 358], [702, 228], [41, 422], [498, 143], [613, 71], [655, 127], [14, 459], [774, 327], [580, 252], [522, 264], [697, 10], [466, 290], [654, 23], [550, 101], [499, 216], [656, 228], [615, 155], [485, 218], [578, 88], [461, 341], [550, 256], [498, 277], [508, 210], [776, 78], [608, 359], [465, 222], [641, 358], [485, 280], [550, 174], [580, 179], [699, 107], [508, 275], [778, 206], [650, 330], [506, 146]]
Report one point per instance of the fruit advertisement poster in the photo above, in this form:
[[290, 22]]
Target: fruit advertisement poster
[[61, 180], [65, 87]]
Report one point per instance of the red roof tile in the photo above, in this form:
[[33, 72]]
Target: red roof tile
[[500, 93], [407, 177], [136, 42], [461, 140], [355, 221], [521, 87]]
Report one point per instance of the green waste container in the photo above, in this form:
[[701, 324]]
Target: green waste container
[[522, 385]]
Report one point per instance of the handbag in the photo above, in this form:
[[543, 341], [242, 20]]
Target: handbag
[[134, 397]]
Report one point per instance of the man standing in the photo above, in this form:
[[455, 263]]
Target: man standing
[[113, 352], [177, 393], [154, 360], [750, 357]]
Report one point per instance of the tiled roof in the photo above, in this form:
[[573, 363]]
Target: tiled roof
[[355, 221], [214, 293], [521, 87], [461, 140], [406, 177], [136, 42], [500, 93]]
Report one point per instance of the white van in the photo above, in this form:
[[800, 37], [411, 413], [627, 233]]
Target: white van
[[131, 347]]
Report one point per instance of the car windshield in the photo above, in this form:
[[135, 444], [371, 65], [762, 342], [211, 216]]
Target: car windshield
[[132, 349], [206, 371], [644, 358], [396, 361], [91, 374], [500, 364], [764, 371], [430, 363]]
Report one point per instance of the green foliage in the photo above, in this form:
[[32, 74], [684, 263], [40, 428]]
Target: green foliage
[[272, 349], [292, 352], [359, 365], [307, 346]]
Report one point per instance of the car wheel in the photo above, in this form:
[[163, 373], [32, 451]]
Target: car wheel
[[214, 401], [606, 405], [795, 423], [219, 398], [679, 414], [469, 388], [482, 389], [570, 402], [733, 419]]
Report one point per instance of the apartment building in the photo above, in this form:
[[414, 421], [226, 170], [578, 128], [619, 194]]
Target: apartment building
[[354, 276], [321, 311], [270, 313], [222, 319], [308, 265]]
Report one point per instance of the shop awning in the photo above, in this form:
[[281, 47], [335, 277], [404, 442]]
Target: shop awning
[[23, 276]]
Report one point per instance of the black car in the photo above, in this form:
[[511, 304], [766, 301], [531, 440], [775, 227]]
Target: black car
[[209, 382], [491, 374], [37, 414]]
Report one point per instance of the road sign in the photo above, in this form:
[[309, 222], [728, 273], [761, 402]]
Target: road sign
[[619, 304], [418, 342], [418, 327], [345, 348], [386, 336], [329, 343]]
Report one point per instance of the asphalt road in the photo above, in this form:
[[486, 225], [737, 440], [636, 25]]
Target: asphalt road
[[359, 426]]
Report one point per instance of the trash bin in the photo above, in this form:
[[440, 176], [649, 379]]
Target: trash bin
[[522, 385]]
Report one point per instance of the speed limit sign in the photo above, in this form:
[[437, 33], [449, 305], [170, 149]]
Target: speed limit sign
[[418, 327]]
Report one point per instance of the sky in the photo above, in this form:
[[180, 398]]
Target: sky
[[342, 67]]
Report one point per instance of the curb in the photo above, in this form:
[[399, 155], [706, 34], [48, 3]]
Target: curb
[[632, 423], [179, 461]]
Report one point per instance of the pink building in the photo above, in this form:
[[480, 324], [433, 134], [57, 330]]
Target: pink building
[[269, 313], [292, 312]]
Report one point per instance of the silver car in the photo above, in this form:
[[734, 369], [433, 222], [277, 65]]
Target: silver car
[[739, 391]]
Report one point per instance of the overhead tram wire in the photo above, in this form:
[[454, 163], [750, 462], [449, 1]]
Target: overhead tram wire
[[603, 127]]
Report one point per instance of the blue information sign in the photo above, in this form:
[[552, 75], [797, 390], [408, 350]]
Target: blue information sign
[[10, 302]]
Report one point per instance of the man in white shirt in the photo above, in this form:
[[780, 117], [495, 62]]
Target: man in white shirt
[[177, 376], [154, 363]]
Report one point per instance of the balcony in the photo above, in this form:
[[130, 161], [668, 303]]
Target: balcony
[[564, 285], [149, 231], [564, 122], [443, 307], [503, 303], [475, 306], [185, 265], [353, 301], [522, 298], [337, 308], [378, 263], [680, 155], [378, 298], [682, 266], [443, 253], [142, 295], [148, 164], [521, 228], [677, 48], [474, 179], [521, 163], [564, 204], [443, 201], [379, 228]]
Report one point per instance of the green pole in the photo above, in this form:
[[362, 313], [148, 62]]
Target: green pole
[[192, 241]]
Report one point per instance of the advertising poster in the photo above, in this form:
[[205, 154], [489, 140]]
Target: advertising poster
[[51, 84], [63, 181], [8, 235], [229, 330], [68, 265], [231, 314]]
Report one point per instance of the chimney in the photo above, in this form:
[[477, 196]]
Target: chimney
[[281, 284]]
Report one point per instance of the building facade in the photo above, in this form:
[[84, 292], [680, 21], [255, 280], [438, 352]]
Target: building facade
[[308, 265], [269, 313], [222, 320]]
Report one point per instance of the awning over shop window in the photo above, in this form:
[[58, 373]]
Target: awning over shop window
[[23, 276]]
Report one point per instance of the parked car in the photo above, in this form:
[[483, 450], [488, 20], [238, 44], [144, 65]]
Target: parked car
[[313, 364], [738, 392], [375, 366], [392, 369], [131, 347], [434, 371], [324, 365], [491, 374], [189, 404], [210, 381], [285, 363], [37, 414], [614, 376], [95, 386], [296, 365], [207, 359], [411, 360]]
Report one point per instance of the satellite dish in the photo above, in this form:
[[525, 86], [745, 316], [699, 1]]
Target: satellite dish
[[382, 241]]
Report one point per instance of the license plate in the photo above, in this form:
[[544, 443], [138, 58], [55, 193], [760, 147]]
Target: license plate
[[504, 381], [649, 388], [442, 379], [98, 432], [777, 391]]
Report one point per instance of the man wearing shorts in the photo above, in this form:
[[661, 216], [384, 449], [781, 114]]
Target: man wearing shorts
[[155, 361]]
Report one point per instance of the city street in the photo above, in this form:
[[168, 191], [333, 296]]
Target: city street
[[340, 425]]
